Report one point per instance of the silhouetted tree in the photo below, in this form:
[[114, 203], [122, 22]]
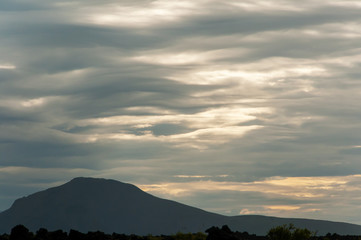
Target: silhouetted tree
[[4, 237], [98, 235], [214, 233], [135, 237], [199, 236], [284, 232], [58, 235], [289, 232], [42, 234], [20, 232], [301, 234], [167, 237], [280, 233], [76, 235], [117, 236]]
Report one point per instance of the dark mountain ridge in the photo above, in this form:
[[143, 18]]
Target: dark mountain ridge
[[90, 204]]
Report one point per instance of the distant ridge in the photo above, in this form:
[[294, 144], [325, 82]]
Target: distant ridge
[[90, 204]]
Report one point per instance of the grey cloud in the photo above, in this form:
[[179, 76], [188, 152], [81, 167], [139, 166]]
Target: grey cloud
[[18, 6], [84, 71], [353, 151], [35, 154], [226, 22], [168, 129], [12, 117], [77, 36]]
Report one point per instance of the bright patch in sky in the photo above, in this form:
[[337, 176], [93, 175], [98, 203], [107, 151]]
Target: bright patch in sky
[[156, 12], [7, 66], [277, 189], [33, 102]]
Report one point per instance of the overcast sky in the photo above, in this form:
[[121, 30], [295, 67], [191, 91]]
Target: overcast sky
[[236, 107]]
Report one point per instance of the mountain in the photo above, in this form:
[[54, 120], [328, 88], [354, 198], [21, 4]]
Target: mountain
[[90, 204]]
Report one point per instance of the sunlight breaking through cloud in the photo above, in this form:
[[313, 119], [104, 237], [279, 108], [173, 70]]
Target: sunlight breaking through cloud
[[7, 67], [33, 102], [215, 126], [146, 14], [328, 190]]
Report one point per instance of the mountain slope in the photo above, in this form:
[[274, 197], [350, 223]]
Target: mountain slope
[[107, 205], [89, 204]]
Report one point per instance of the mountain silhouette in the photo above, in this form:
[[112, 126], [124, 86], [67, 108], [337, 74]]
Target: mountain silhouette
[[91, 204]]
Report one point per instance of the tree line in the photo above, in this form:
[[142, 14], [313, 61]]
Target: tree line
[[284, 232]]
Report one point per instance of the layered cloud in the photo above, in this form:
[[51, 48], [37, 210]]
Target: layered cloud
[[309, 197], [253, 105]]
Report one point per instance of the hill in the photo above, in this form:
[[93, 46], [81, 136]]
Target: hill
[[90, 204]]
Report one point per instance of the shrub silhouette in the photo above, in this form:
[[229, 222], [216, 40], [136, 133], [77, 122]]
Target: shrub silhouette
[[20, 232], [58, 235], [76, 235], [289, 232], [42, 234], [284, 232], [214, 233]]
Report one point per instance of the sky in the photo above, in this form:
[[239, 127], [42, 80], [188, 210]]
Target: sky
[[235, 107]]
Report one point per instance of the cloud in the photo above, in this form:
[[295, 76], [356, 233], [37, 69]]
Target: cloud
[[211, 126], [281, 196], [142, 14], [183, 93], [7, 67]]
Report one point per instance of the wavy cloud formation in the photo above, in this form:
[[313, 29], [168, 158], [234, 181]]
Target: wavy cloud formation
[[235, 107]]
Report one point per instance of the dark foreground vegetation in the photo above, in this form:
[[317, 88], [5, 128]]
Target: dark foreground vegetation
[[284, 232]]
